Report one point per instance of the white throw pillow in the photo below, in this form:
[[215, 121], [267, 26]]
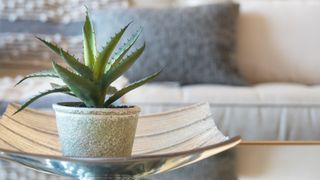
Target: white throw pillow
[[279, 41]]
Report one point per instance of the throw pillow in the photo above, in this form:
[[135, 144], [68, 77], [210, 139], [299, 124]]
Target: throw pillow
[[194, 44], [278, 41]]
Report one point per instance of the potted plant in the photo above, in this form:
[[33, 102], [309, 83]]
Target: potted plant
[[94, 127]]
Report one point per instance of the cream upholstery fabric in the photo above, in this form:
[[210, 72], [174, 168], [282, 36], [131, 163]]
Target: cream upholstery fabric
[[279, 41], [263, 112], [255, 122], [156, 92], [263, 94]]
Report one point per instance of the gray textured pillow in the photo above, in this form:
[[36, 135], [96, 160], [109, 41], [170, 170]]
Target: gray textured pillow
[[196, 44]]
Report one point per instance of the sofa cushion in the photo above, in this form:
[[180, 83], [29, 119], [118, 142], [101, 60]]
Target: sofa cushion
[[161, 92], [263, 112], [278, 41], [194, 44], [268, 93], [271, 93]]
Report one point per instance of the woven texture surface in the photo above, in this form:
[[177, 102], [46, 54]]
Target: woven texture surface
[[35, 132], [183, 129]]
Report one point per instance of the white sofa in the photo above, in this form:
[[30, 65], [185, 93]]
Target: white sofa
[[278, 53], [262, 112]]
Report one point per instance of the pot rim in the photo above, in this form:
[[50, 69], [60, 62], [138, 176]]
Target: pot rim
[[66, 107]]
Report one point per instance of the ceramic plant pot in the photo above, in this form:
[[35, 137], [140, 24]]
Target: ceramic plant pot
[[96, 132]]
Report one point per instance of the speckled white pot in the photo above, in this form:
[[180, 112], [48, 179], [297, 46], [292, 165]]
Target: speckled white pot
[[96, 132]]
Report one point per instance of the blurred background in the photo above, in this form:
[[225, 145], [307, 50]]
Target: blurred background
[[256, 62]]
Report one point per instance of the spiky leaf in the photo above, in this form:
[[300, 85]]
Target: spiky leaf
[[54, 85], [111, 90], [129, 88], [76, 65], [53, 47], [81, 87], [46, 73], [104, 55], [120, 68], [123, 50], [69, 59], [50, 91], [89, 43]]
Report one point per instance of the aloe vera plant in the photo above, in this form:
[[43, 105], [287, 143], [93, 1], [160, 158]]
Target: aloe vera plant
[[91, 81]]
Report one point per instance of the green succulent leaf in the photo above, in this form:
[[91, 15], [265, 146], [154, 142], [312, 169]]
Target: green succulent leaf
[[76, 65], [89, 43], [91, 80], [123, 50], [54, 85], [46, 73], [53, 47], [70, 60], [104, 55], [50, 91], [81, 87], [118, 69], [111, 90], [129, 88]]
